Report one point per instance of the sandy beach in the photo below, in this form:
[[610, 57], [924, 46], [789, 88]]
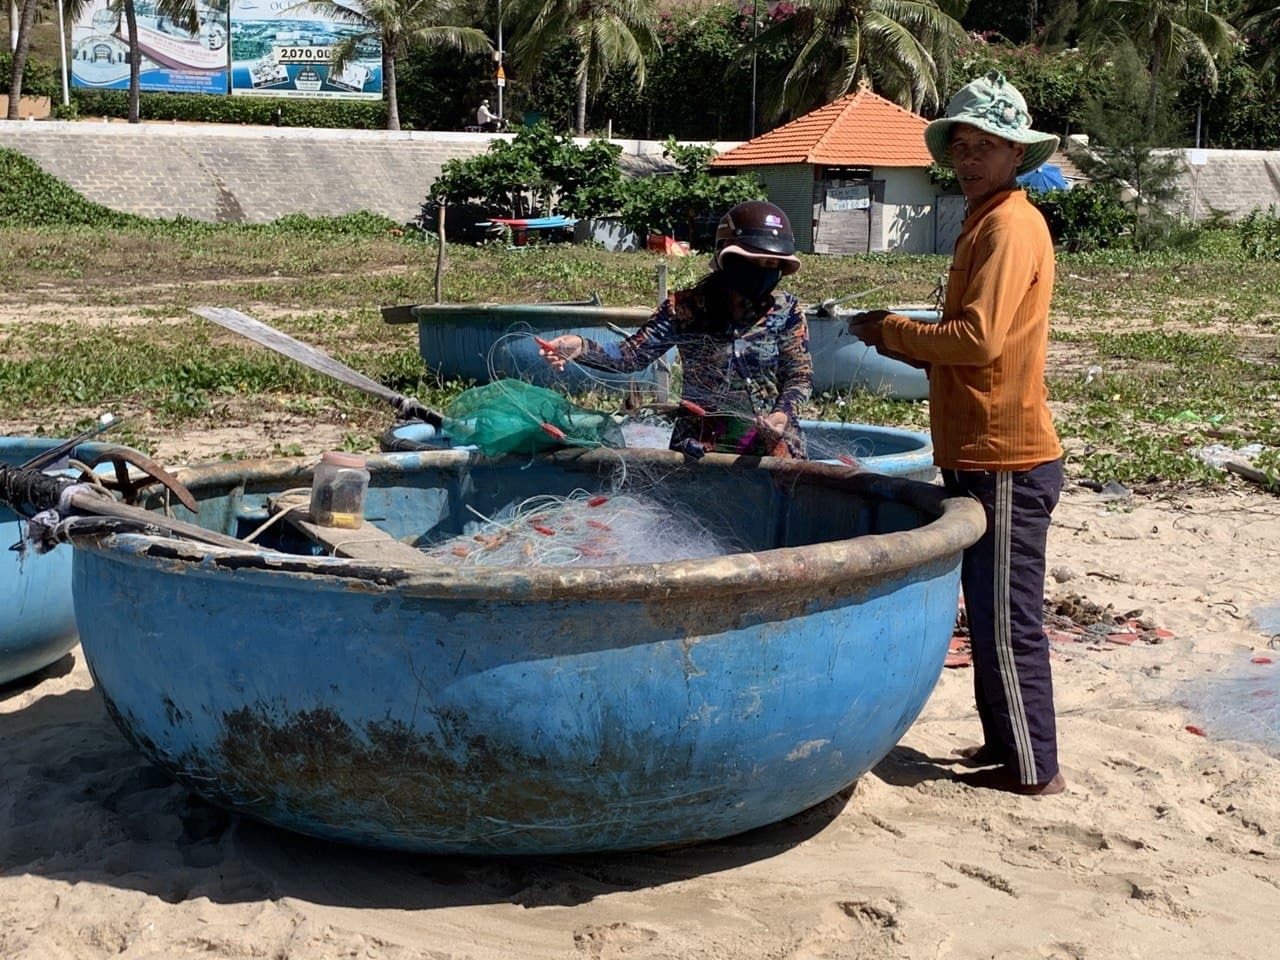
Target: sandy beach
[[1166, 843]]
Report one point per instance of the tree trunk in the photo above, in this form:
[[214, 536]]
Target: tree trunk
[[135, 63], [389, 83], [580, 110], [1153, 95], [20, 57]]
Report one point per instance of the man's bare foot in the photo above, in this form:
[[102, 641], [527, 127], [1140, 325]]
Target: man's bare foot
[[1006, 779], [977, 755]]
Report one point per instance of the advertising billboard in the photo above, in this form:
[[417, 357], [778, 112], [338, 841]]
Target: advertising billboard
[[281, 48], [172, 60]]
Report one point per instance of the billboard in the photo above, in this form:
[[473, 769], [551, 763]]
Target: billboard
[[281, 48], [172, 59]]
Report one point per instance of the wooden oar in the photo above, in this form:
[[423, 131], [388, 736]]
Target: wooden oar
[[54, 453], [317, 360]]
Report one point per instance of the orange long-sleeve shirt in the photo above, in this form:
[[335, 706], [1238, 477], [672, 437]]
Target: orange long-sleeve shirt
[[988, 404]]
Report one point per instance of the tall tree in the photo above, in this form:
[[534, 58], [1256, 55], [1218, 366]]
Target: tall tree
[[1128, 149], [607, 34], [1169, 34], [901, 45], [400, 25], [21, 48], [1262, 32], [182, 13]]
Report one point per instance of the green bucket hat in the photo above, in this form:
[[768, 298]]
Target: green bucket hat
[[993, 104]]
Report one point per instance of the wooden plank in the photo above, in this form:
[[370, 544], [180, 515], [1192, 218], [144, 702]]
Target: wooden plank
[[366, 542]]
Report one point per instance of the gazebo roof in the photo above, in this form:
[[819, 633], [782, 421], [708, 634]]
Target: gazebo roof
[[860, 129]]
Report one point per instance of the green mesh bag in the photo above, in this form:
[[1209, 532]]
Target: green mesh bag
[[511, 416]]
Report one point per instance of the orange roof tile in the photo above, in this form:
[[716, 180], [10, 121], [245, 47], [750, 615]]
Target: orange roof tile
[[861, 129]]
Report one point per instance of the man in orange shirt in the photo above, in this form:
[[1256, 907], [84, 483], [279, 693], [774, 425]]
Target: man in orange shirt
[[992, 431]]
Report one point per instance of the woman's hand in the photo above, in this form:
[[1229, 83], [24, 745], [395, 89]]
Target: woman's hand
[[771, 428], [561, 350]]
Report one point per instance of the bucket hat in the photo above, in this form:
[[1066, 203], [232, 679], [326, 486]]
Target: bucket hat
[[993, 104]]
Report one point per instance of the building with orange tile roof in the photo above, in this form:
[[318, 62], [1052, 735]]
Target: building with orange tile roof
[[853, 177]]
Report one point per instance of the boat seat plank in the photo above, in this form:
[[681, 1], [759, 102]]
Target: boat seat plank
[[366, 542]]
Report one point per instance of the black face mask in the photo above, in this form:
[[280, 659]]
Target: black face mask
[[748, 279]]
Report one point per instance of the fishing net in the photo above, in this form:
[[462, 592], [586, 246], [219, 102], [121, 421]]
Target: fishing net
[[581, 529], [513, 417]]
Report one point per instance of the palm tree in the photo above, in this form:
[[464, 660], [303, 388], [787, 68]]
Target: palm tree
[[1263, 24], [1170, 34], [183, 13], [608, 35], [906, 44], [25, 20], [399, 25]]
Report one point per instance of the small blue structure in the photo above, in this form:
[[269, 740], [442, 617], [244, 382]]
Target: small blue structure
[[478, 710], [1044, 178]]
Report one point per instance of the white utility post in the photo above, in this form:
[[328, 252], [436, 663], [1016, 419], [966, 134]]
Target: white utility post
[[502, 75], [1200, 99], [62, 52]]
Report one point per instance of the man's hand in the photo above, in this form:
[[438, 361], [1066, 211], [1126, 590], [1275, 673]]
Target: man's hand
[[866, 326]]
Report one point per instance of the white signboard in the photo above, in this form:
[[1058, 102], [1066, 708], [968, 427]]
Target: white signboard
[[847, 198]]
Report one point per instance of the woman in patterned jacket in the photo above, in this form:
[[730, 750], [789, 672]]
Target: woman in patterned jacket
[[743, 344]]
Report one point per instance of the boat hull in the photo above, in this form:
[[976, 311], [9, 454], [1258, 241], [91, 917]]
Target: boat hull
[[37, 620], [843, 363], [482, 342], [485, 711], [888, 450]]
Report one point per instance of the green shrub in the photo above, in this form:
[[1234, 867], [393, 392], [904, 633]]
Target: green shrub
[[1260, 234], [29, 197], [675, 203], [1086, 217], [39, 79], [534, 174], [260, 111]]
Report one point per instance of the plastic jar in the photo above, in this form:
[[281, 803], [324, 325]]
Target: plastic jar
[[338, 488]]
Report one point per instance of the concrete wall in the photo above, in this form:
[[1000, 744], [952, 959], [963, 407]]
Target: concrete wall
[[34, 108], [235, 174], [1233, 181], [908, 220]]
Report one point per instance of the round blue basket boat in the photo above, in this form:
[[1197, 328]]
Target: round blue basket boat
[[37, 622], [415, 705], [887, 450]]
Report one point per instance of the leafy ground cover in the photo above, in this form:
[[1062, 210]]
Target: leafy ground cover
[[1153, 357]]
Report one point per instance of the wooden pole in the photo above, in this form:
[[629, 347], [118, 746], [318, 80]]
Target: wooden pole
[[440, 255]]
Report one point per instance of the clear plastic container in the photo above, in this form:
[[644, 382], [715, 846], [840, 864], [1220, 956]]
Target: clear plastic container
[[338, 490]]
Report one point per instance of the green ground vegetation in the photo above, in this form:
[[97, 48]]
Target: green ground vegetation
[[1154, 355]]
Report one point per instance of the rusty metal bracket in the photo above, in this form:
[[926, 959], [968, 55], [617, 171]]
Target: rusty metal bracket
[[129, 487]]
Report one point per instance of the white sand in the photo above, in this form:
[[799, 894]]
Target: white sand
[[1165, 844]]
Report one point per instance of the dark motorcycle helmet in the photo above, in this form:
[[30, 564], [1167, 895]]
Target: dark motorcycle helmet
[[756, 230]]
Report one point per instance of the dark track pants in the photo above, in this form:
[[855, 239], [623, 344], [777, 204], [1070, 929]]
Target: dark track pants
[[1003, 580]]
